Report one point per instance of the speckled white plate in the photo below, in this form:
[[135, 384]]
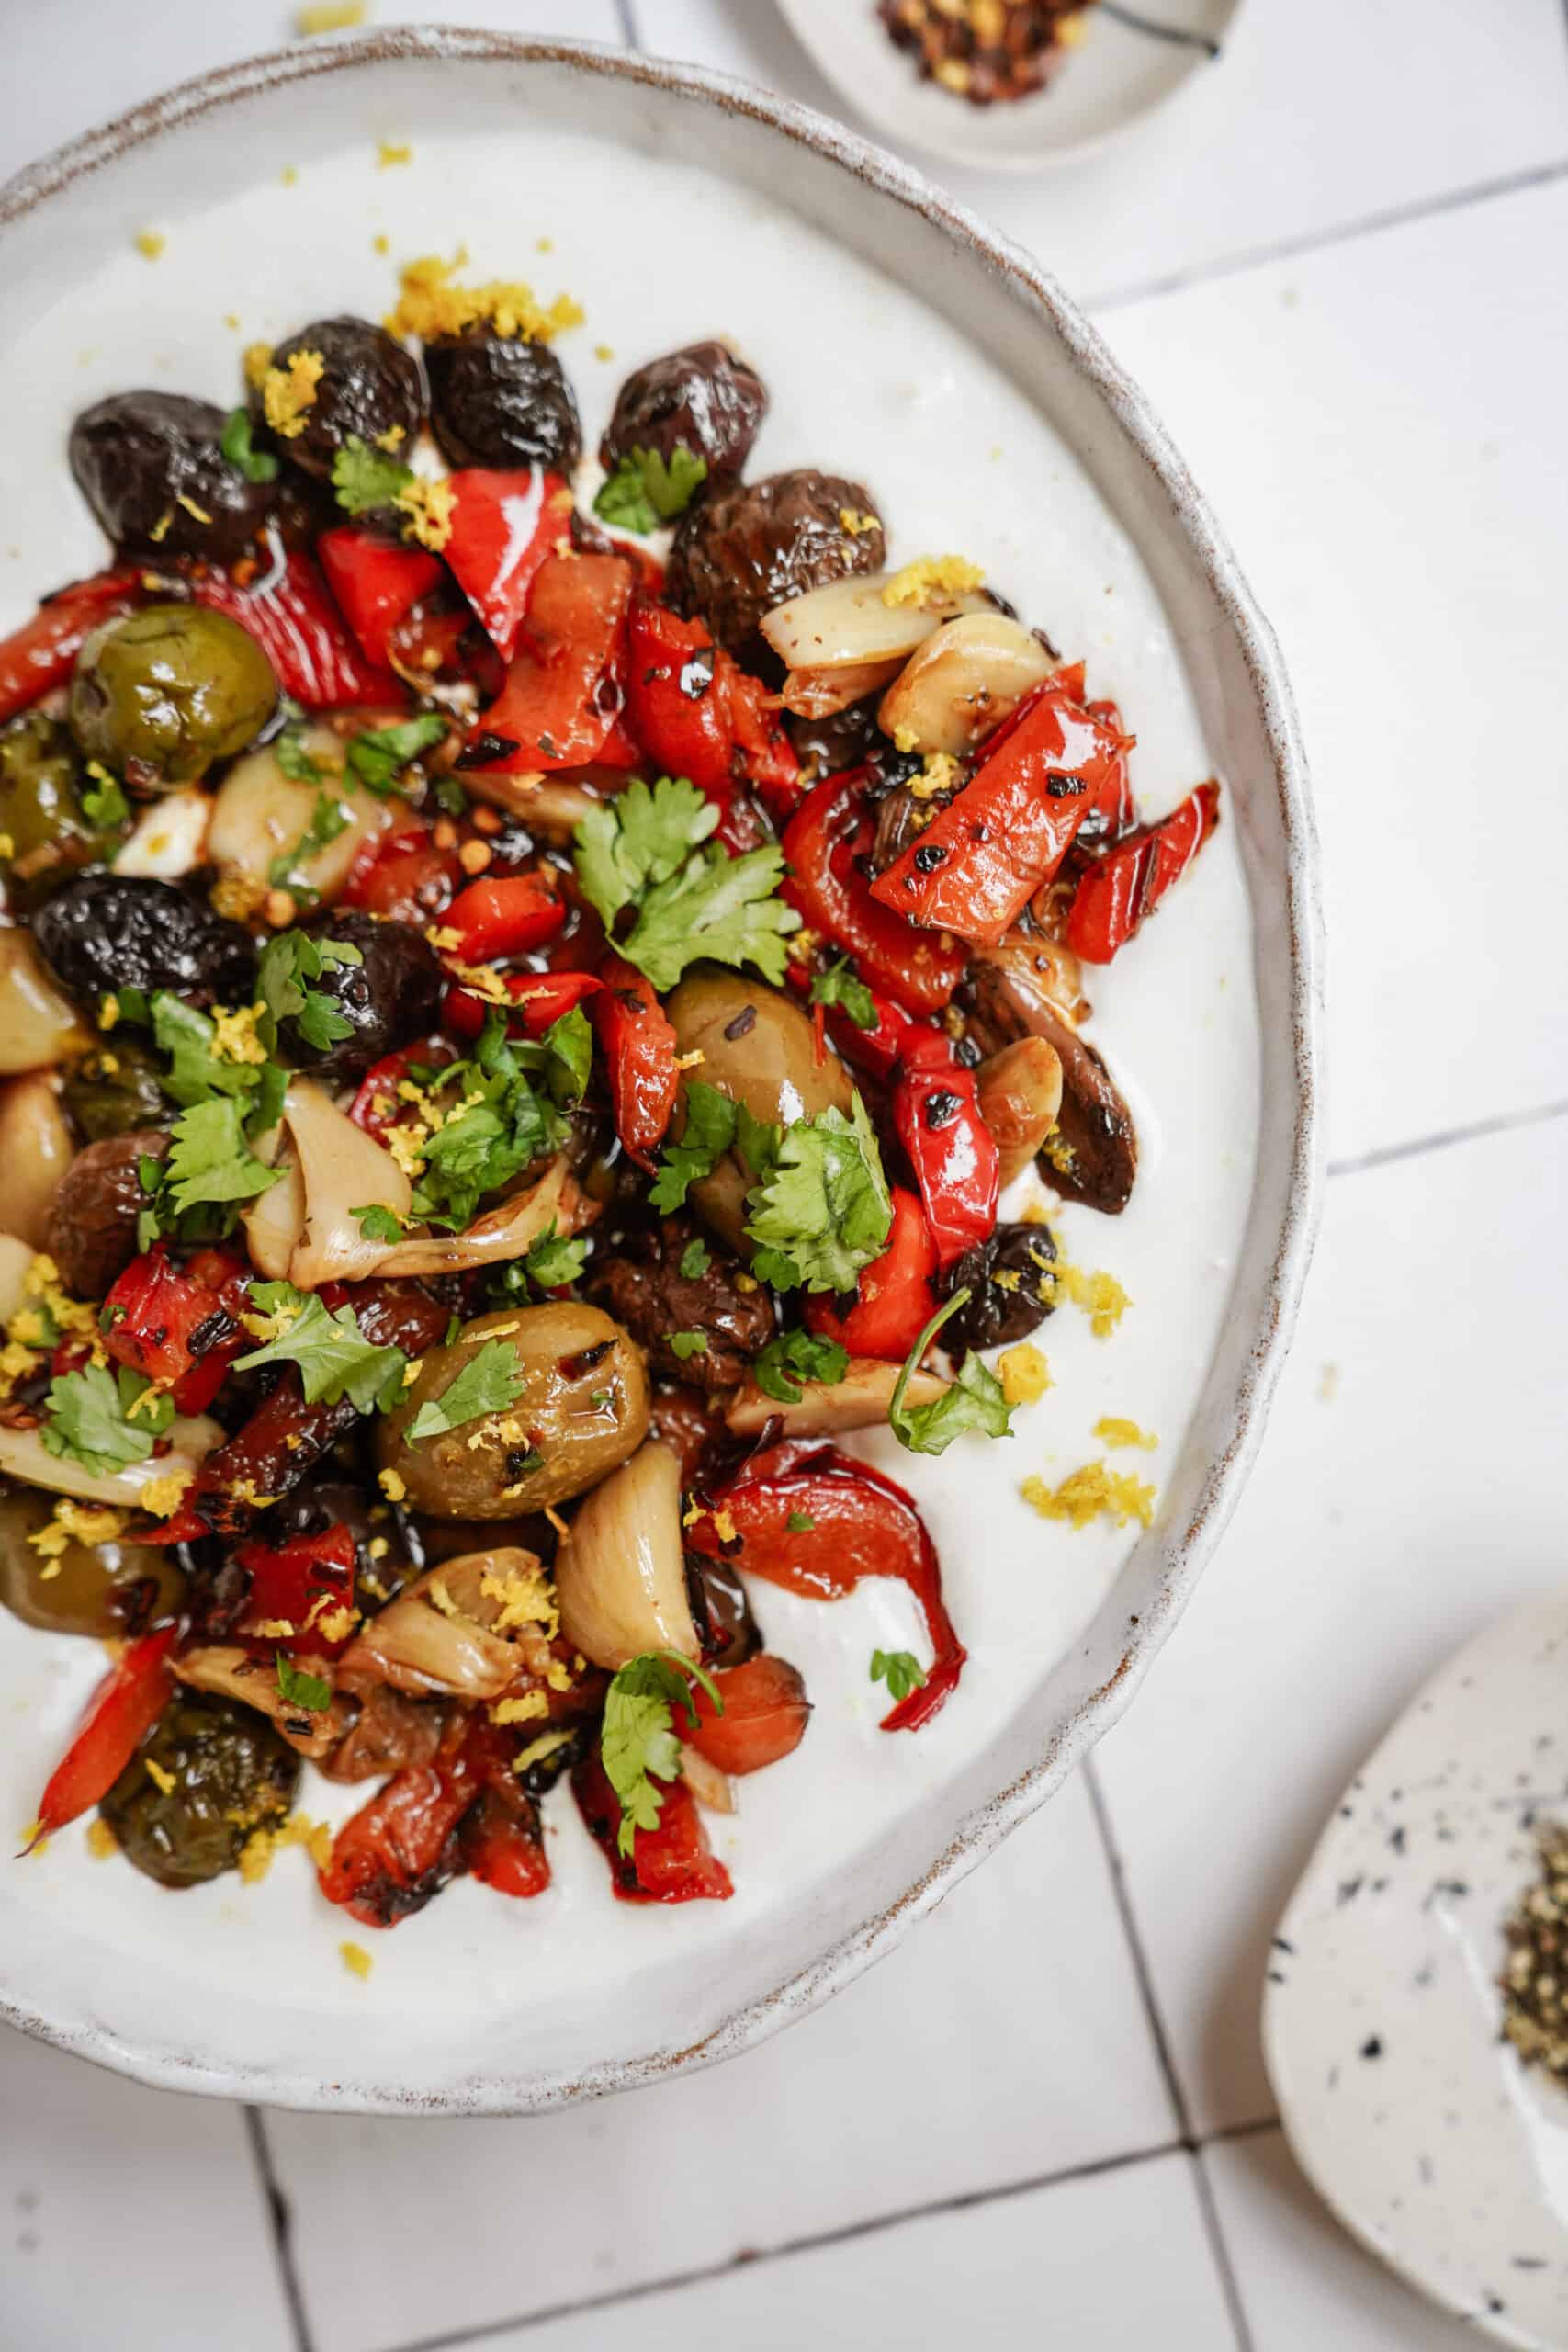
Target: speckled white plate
[[908, 347], [1414, 2120], [1132, 59]]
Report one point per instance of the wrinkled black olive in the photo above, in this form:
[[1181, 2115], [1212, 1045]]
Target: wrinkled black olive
[[105, 932], [701, 398], [750, 546], [137, 455], [369, 389], [389, 996], [232, 1774], [499, 400], [1000, 1312], [641, 1283], [91, 1232], [828, 746], [546, 1770], [721, 1611]]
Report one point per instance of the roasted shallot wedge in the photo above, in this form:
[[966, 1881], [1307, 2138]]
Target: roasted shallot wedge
[[830, 1407]]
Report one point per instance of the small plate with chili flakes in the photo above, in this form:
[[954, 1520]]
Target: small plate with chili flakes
[[1010, 86]]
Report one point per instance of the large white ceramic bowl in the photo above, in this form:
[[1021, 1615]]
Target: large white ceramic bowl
[[907, 345]]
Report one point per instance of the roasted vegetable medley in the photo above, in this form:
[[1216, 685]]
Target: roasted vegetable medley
[[524, 984]]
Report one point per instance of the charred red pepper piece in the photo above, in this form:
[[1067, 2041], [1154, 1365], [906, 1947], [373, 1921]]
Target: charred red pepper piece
[[301, 631], [509, 915], [949, 1145], [697, 714], [765, 1715], [406, 875], [504, 526], [863, 1525], [376, 583], [124, 1707], [430, 1823], [378, 1106], [1114, 800], [828, 831], [299, 1584], [639, 1048], [1122, 888], [499, 1837], [894, 1301], [674, 1863], [566, 685], [176, 1327], [981, 859], [541, 998], [42, 653]]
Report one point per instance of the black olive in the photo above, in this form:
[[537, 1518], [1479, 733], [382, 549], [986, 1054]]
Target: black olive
[[232, 1774], [370, 389], [149, 466], [105, 932], [499, 400], [702, 400], [389, 996], [546, 1770], [750, 546], [847, 740], [1011, 1289]]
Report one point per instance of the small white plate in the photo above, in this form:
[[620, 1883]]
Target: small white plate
[[1129, 62], [1381, 2018]]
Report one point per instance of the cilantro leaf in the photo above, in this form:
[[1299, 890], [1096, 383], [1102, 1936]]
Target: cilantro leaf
[[686, 1344], [974, 1401], [378, 1224], [288, 962], [310, 1692], [644, 492], [106, 803], [334, 1357], [824, 1211], [800, 1523], [209, 1158], [297, 764], [365, 479], [488, 1383], [328, 818], [555, 1260], [506, 1125], [793, 1356], [641, 837], [637, 1740], [709, 1132], [256, 464], [839, 985], [695, 1260], [87, 1419], [377, 755], [722, 908], [900, 1669], [569, 1050], [195, 1073]]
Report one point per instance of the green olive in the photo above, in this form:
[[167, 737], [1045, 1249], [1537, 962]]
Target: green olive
[[230, 1772], [108, 1590], [761, 1049], [161, 693], [581, 1410], [115, 1090], [41, 818]]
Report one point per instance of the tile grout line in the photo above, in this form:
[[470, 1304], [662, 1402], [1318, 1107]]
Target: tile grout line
[[1501, 1123], [281, 2227], [1121, 1895], [627, 24], [1308, 242]]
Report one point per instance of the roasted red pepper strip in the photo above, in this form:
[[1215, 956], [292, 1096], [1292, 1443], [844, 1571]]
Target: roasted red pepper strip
[[124, 1707], [639, 1048], [378, 1106], [670, 1864], [509, 915], [164, 1323], [305, 1584], [504, 526], [433, 1822], [542, 996], [863, 1525], [301, 631], [823, 839], [1114, 800], [1122, 888], [565, 683], [42, 653], [981, 859], [894, 1301], [376, 583], [697, 714], [405, 876], [765, 1715], [499, 1836], [949, 1145]]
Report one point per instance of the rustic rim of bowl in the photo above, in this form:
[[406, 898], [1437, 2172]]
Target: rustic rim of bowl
[[1032, 288]]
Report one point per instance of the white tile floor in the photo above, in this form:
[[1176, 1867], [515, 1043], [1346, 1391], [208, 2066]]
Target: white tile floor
[[1337, 267]]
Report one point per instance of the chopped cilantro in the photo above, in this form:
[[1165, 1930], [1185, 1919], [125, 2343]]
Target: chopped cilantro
[[709, 1134], [378, 1224], [365, 479], [290, 961], [686, 1344], [313, 1692], [488, 1383], [334, 1357], [839, 985], [195, 1073], [644, 492], [208, 1159], [800, 1523], [88, 1419], [297, 764], [256, 464], [106, 803], [643, 850], [638, 1741], [450, 795], [555, 1260], [376, 756], [695, 1260], [328, 818], [975, 1400], [900, 1669], [793, 1356], [823, 1210], [642, 837]]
